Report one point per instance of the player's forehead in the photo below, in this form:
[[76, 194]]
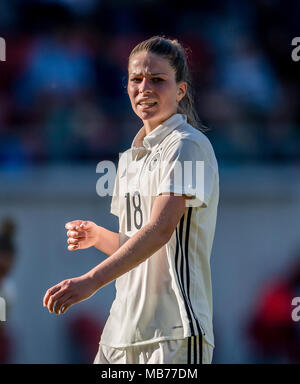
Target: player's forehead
[[147, 63]]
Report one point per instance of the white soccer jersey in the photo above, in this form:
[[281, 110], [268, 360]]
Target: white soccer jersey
[[169, 295]]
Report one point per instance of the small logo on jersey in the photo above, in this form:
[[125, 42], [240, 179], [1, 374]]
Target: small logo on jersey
[[154, 162], [124, 173]]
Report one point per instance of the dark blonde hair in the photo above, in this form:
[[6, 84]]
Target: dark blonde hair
[[176, 55]]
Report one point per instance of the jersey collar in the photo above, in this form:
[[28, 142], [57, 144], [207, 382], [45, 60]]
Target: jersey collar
[[159, 133]]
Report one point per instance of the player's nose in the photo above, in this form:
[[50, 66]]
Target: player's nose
[[145, 85]]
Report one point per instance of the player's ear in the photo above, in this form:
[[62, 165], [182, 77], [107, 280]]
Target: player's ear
[[181, 90]]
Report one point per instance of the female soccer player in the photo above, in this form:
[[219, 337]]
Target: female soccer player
[[160, 258]]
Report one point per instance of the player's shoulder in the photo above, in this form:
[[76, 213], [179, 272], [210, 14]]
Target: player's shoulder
[[186, 137], [187, 134]]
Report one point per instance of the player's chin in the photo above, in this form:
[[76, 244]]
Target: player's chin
[[147, 114]]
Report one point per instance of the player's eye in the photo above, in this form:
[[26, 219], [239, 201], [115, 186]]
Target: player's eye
[[154, 80], [157, 79], [135, 80]]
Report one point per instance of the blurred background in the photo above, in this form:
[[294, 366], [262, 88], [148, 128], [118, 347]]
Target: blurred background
[[64, 108]]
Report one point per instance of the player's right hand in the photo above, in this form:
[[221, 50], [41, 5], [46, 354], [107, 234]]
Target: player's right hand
[[81, 234]]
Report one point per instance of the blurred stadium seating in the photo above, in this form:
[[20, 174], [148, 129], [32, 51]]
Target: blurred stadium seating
[[62, 87]]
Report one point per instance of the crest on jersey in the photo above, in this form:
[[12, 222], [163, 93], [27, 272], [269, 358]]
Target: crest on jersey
[[154, 162]]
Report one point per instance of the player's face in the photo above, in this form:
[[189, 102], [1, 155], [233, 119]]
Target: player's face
[[152, 88]]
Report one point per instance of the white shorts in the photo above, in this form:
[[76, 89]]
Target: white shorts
[[191, 350]]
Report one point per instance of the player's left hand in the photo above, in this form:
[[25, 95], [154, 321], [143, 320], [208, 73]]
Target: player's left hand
[[62, 296]]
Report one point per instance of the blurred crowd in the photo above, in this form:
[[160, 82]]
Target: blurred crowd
[[63, 86], [273, 330]]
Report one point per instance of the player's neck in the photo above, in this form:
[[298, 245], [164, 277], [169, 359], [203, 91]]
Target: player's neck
[[150, 125]]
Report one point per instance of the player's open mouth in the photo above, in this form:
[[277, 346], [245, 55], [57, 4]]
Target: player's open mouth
[[147, 104]]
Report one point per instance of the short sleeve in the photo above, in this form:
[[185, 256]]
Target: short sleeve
[[186, 170]]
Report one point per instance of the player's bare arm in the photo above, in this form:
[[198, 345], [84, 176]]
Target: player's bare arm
[[166, 213], [85, 234]]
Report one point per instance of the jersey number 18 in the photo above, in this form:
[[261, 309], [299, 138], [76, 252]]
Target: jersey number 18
[[137, 213]]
